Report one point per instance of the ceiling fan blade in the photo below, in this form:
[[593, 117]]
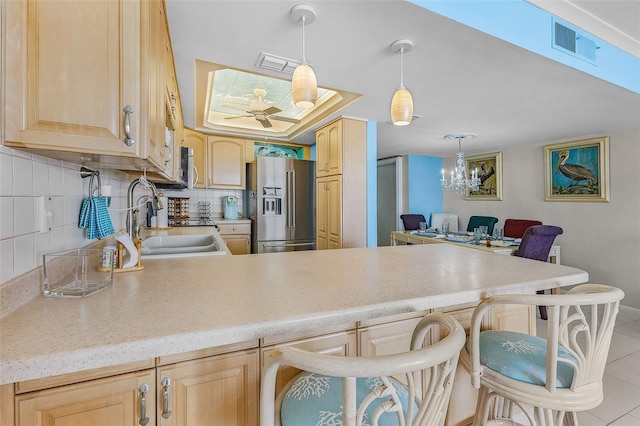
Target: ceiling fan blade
[[239, 109], [265, 122], [271, 110], [238, 116], [287, 119]]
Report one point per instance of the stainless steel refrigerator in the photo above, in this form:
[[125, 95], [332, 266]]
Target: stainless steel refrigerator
[[281, 199]]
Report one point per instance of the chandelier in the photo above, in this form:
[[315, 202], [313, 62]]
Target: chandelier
[[458, 182]]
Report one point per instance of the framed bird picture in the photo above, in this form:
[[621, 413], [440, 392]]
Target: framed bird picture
[[577, 171], [488, 169]]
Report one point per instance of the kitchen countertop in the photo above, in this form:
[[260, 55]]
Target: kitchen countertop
[[179, 305]]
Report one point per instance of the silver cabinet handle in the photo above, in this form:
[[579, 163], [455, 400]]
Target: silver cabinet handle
[[166, 413], [144, 420], [168, 150], [128, 140], [326, 167]]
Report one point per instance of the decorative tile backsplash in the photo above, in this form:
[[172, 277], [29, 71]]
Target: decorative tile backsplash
[[25, 178]]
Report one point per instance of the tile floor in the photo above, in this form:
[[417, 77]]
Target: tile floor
[[621, 404]]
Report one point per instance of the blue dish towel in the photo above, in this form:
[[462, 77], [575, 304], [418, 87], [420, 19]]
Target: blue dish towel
[[94, 217]]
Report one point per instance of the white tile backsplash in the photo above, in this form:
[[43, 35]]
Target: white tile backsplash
[[25, 177], [6, 217], [22, 177], [6, 174]]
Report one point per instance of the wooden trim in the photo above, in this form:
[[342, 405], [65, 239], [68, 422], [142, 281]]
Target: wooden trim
[[7, 409]]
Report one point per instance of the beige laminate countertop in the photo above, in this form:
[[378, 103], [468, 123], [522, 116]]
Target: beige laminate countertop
[[179, 305]]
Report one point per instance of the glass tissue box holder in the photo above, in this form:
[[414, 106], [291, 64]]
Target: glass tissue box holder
[[75, 273]]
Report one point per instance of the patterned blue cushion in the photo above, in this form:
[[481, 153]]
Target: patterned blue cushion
[[522, 357], [315, 399]]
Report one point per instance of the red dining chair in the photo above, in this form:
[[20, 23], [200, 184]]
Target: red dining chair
[[536, 244], [515, 228]]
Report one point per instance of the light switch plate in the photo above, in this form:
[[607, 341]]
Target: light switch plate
[[44, 213]]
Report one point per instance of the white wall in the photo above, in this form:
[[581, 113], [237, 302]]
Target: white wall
[[600, 238]]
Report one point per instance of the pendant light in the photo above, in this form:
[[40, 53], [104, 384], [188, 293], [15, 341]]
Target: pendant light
[[304, 88], [402, 102]]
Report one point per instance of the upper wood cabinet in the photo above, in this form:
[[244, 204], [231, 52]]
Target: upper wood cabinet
[[72, 68], [197, 141], [329, 149], [226, 167]]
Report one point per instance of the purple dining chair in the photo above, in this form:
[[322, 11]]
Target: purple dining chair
[[411, 221], [536, 244]]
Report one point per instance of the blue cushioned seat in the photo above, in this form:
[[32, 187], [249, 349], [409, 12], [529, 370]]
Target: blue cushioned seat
[[522, 357], [315, 399]]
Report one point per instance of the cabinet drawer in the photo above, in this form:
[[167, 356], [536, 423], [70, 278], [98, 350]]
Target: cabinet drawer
[[234, 228]]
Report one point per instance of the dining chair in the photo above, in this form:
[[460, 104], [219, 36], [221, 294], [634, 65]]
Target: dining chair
[[410, 388], [515, 228], [543, 380], [536, 244], [488, 221], [411, 222], [437, 219]]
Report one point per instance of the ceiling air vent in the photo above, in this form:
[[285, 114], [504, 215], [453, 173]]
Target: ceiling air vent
[[572, 41], [276, 63]]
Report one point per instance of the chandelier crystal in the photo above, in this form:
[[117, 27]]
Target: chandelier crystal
[[459, 182]]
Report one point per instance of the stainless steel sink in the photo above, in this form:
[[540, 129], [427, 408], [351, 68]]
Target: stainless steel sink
[[170, 246]]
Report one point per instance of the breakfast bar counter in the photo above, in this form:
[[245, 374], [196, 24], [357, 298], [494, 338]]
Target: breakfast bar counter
[[187, 304]]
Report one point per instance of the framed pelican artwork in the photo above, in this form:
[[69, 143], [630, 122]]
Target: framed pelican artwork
[[488, 168], [577, 171]]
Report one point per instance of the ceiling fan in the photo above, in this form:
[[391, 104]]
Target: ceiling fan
[[262, 111]]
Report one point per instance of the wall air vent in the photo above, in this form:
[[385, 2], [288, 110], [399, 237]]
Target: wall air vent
[[574, 42], [276, 63]]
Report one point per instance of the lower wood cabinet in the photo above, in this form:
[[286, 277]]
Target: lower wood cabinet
[[218, 390], [127, 399], [221, 386], [237, 236], [341, 343]]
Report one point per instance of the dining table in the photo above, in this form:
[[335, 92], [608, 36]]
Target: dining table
[[507, 246]]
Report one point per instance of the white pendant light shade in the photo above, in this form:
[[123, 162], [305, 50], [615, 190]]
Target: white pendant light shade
[[304, 88], [402, 101], [401, 107]]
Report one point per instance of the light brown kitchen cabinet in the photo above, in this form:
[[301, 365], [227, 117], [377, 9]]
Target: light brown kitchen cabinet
[[329, 149], [237, 236], [226, 167], [71, 70], [222, 389], [125, 399], [329, 212], [341, 343], [197, 141], [341, 184]]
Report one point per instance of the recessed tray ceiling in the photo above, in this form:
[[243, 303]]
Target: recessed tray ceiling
[[234, 101]]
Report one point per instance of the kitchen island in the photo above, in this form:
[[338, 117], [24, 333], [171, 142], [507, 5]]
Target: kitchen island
[[188, 304]]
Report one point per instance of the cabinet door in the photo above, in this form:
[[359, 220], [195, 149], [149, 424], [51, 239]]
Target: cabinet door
[[197, 141], [113, 401], [322, 214], [341, 343], [153, 82], [238, 244], [334, 226], [226, 165], [219, 390], [329, 149], [71, 67], [329, 212]]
